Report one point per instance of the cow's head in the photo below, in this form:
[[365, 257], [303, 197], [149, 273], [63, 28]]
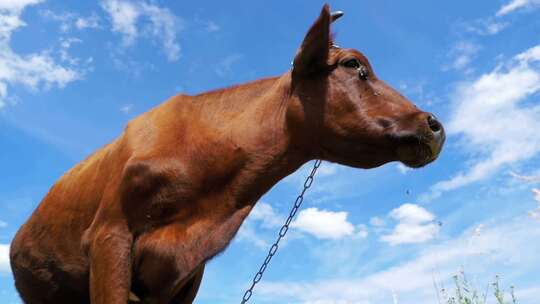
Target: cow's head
[[349, 115]]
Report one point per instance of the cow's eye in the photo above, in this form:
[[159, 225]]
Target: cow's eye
[[363, 72], [352, 63]]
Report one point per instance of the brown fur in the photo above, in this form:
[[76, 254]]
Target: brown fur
[[147, 211]]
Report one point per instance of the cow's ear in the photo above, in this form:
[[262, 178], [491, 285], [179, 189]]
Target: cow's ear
[[312, 56]]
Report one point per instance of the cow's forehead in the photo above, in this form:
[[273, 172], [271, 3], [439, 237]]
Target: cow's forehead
[[337, 53]]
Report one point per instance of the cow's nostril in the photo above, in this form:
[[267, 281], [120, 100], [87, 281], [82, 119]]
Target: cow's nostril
[[434, 124]]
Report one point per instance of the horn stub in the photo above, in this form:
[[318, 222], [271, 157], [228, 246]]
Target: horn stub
[[336, 15]]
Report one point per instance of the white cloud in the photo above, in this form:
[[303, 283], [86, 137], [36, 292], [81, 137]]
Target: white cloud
[[530, 55], [516, 4], [10, 12], [124, 16], [264, 213], [494, 28], [65, 45], [4, 258], [463, 52], [34, 71], [493, 119], [70, 20], [263, 216], [411, 213], [91, 22], [332, 181], [212, 27], [415, 225], [486, 27], [224, 67], [510, 244], [326, 169], [377, 221], [64, 19], [126, 109], [248, 233], [536, 194], [16, 5], [324, 224], [361, 231], [528, 295], [407, 233], [536, 213], [402, 168], [3, 224], [162, 23], [526, 178]]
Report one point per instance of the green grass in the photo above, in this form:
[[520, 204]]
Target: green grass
[[465, 293]]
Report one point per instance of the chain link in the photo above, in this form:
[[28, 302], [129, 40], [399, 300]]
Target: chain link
[[282, 232]]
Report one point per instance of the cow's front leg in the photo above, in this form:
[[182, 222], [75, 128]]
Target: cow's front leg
[[109, 251]]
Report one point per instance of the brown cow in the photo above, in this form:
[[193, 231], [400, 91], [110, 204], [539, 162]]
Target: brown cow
[[147, 211]]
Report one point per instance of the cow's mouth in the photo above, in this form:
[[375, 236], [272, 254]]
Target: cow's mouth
[[416, 151], [416, 155]]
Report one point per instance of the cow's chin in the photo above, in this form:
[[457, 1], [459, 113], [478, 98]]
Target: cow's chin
[[415, 155]]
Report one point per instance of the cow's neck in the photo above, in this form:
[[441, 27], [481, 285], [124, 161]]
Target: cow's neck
[[257, 149], [261, 132]]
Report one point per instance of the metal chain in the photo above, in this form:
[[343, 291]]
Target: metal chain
[[282, 232]]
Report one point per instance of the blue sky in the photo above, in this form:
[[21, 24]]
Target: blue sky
[[72, 73]]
